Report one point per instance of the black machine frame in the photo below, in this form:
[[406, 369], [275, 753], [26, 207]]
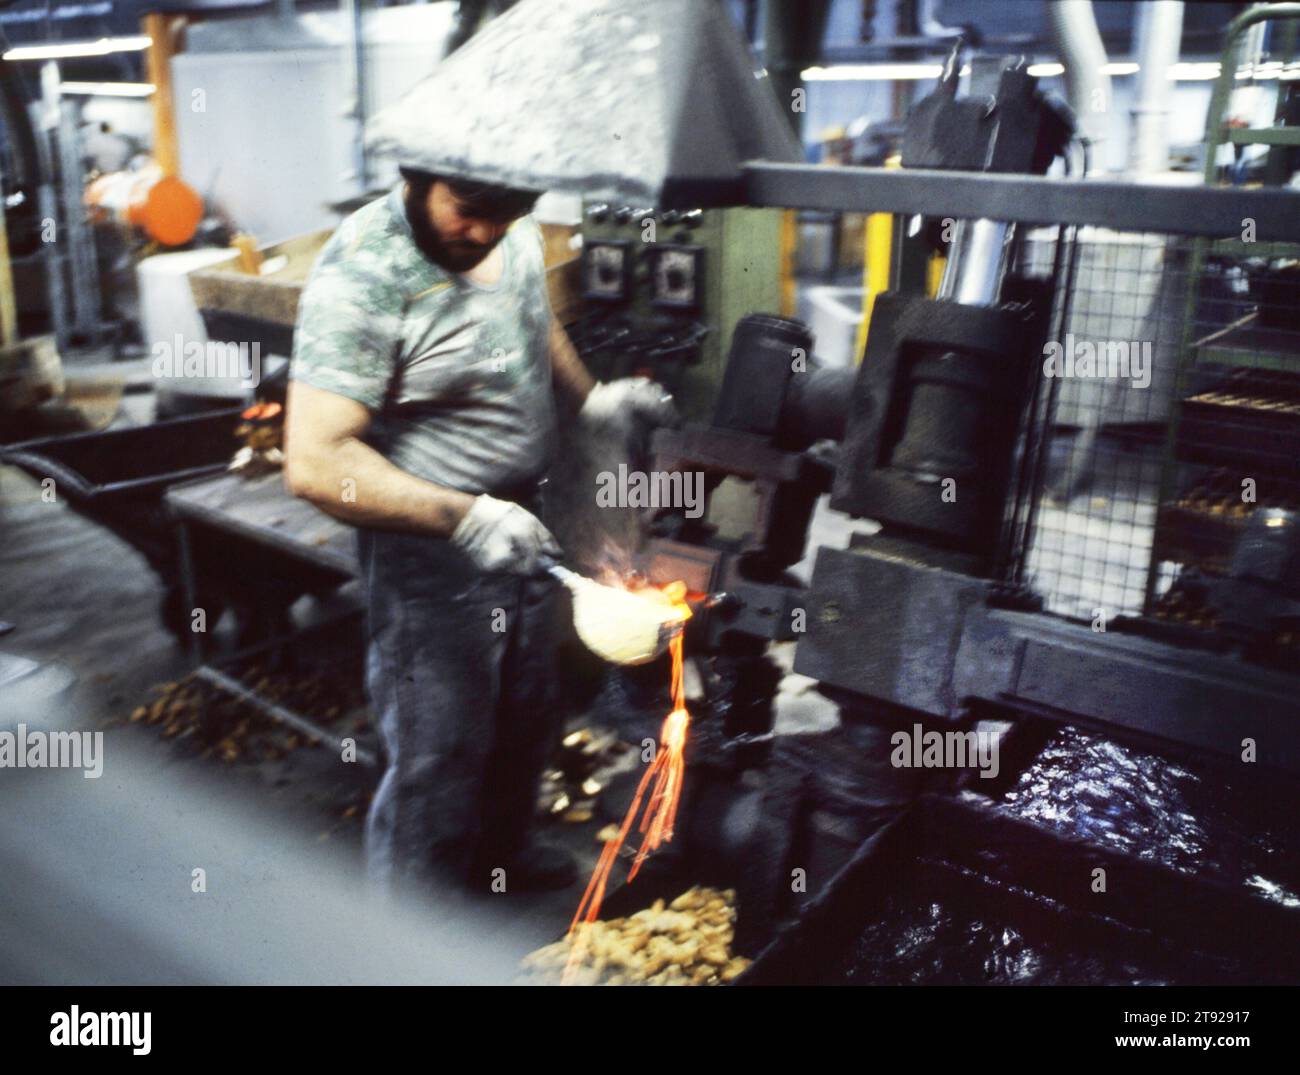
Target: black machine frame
[[978, 646], [1028, 199]]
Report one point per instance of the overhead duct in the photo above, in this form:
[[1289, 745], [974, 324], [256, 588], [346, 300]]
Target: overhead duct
[[1159, 33], [651, 102], [792, 41], [1087, 86]]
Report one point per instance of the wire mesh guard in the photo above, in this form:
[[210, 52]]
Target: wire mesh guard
[[1170, 412]]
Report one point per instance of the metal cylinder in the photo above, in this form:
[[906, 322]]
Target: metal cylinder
[[765, 352], [1087, 86], [978, 259], [947, 408], [1159, 33], [816, 405]]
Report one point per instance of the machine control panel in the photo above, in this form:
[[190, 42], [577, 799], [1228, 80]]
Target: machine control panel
[[607, 267], [677, 274], [662, 289]]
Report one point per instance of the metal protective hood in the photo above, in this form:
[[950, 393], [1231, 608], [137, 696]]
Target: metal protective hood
[[646, 102]]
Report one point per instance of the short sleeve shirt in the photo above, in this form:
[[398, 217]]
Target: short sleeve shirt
[[457, 375]]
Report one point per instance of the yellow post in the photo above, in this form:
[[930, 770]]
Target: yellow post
[[878, 248], [934, 273], [789, 244], [160, 29], [8, 308]]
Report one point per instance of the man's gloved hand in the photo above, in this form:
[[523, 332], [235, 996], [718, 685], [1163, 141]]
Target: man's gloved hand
[[499, 535], [628, 406]]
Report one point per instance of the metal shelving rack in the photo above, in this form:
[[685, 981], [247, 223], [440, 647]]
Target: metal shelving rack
[[1236, 408]]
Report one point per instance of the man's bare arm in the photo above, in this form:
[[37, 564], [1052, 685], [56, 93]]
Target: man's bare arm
[[570, 376], [328, 464]]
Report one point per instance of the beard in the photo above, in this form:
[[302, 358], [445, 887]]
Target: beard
[[456, 255]]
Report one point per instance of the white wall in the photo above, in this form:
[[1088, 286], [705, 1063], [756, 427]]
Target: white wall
[[272, 147], [130, 116]]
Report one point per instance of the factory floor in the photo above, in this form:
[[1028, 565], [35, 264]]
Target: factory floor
[[83, 603], [98, 876]]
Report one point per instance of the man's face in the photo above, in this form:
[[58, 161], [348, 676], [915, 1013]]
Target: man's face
[[449, 233]]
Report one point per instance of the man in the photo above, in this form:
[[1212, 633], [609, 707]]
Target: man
[[422, 409]]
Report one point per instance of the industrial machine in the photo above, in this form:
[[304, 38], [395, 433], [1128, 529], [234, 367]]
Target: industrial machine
[[943, 618], [988, 599], [664, 288]]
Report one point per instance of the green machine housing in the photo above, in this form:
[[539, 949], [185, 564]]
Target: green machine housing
[[663, 290]]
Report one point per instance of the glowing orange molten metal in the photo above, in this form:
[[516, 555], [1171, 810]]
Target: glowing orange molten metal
[[663, 779]]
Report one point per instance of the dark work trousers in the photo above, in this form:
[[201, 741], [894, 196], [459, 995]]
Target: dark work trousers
[[460, 673]]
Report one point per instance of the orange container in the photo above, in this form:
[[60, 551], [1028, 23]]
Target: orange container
[[165, 208]]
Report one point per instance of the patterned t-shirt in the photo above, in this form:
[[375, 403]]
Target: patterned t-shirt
[[457, 375]]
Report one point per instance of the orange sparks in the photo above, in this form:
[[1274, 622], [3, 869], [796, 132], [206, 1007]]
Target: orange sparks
[[261, 411], [662, 779]]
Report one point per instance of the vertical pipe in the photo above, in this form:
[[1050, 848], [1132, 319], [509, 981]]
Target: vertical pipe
[[1156, 47], [356, 83], [1074, 30], [45, 121], [77, 239], [977, 262]]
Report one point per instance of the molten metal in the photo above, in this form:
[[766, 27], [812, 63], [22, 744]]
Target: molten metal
[[663, 779]]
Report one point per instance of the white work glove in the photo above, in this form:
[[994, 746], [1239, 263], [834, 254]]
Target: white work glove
[[499, 535], [628, 406]]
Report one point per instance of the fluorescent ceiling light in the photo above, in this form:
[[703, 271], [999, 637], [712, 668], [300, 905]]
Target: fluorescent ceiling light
[[901, 72], [1052, 69], [67, 49], [1195, 72], [874, 72], [891, 72], [107, 89], [1270, 70]]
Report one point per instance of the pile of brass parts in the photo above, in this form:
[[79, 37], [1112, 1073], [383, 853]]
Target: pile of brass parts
[[687, 942]]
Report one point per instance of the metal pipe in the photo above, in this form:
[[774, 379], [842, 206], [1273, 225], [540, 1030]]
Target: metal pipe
[[1252, 44], [356, 83], [1087, 86], [816, 405], [1156, 47], [977, 261]]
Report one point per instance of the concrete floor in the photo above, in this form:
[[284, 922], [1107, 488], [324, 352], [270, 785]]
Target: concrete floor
[[83, 605]]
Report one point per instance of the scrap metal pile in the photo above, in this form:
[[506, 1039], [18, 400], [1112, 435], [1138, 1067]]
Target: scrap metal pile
[[686, 942], [218, 725], [580, 769]]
